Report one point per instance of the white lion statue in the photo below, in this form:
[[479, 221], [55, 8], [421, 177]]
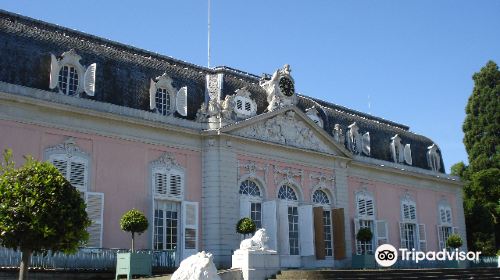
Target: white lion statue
[[197, 267], [257, 242]]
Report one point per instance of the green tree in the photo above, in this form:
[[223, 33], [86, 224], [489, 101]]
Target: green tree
[[134, 222], [482, 176], [39, 210]]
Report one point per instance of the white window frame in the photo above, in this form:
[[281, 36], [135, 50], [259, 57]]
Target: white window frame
[[246, 200], [365, 216], [70, 152], [409, 216], [445, 224], [162, 82], [86, 76], [167, 166], [285, 204]]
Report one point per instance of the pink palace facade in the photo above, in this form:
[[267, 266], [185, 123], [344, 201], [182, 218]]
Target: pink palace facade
[[196, 149]]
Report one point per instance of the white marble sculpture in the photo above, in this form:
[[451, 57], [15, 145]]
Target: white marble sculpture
[[257, 242], [197, 267], [285, 129]]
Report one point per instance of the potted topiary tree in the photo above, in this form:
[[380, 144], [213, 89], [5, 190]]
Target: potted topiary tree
[[133, 263], [453, 242], [366, 258], [245, 226]]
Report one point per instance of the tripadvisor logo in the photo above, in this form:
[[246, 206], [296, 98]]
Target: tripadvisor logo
[[386, 255]]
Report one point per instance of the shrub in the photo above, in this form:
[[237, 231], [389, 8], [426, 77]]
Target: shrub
[[454, 241], [245, 226], [364, 235]]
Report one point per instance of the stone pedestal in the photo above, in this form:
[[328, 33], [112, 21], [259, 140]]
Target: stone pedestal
[[256, 264]]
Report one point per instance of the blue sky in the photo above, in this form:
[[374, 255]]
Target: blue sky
[[412, 61]]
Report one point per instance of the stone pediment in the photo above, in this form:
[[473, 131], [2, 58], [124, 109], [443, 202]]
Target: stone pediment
[[288, 127]]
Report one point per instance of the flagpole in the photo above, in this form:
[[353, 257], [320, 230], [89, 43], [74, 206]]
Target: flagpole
[[208, 33]]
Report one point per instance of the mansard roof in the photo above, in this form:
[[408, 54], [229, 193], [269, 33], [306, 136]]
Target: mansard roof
[[124, 72]]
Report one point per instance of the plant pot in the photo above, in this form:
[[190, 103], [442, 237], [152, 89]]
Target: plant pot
[[133, 264], [363, 261]]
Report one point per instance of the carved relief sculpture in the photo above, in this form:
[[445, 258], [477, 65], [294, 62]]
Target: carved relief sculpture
[[213, 90], [285, 129]]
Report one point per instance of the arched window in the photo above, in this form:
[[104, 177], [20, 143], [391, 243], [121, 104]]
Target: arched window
[[251, 202], [412, 234], [365, 218], [248, 187], [445, 224], [74, 164], [287, 193], [321, 198], [168, 183]]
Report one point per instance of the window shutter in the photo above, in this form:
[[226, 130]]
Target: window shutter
[[361, 206], [284, 246], [54, 72], [306, 233], [382, 232], [95, 209], [77, 176], [338, 234], [402, 235], [369, 207], [190, 228], [175, 186], [89, 80], [406, 212], [160, 183], [248, 106], [442, 215], [366, 143], [440, 237], [152, 95], [319, 234], [356, 242], [413, 212], [407, 154], [269, 222], [62, 166], [244, 207], [448, 215], [422, 238], [181, 101]]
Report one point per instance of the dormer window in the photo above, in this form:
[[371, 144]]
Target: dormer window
[[239, 106], [70, 77], [244, 106], [165, 99]]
